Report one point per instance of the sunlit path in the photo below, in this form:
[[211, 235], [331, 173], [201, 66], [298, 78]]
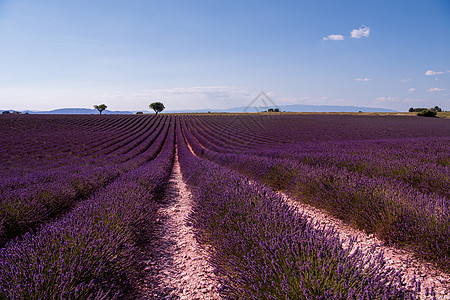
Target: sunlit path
[[178, 268]]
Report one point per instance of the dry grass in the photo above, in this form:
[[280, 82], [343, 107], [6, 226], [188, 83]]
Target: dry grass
[[444, 114]]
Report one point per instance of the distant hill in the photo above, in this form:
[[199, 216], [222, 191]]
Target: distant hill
[[77, 111], [291, 108], [288, 108]]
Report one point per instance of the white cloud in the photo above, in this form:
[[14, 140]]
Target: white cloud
[[202, 90], [214, 97], [405, 80], [387, 99], [295, 100], [436, 90], [412, 90], [432, 73], [307, 100], [362, 31], [334, 37], [363, 79]]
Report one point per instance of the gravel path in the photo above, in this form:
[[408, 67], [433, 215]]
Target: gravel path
[[398, 259], [178, 266]]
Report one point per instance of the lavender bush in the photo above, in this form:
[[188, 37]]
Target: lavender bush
[[90, 252], [263, 249], [403, 201], [27, 204]]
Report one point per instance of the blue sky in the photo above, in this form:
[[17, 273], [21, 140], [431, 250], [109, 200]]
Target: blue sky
[[219, 54]]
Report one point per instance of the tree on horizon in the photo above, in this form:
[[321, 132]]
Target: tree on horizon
[[100, 107], [157, 107]]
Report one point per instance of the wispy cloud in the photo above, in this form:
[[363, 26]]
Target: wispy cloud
[[334, 37], [191, 97], [405, 80], [311, 101], [412, 90], [436, 90], [362, 31], [363, 79], [432, 73], [387, 99], [204, 90]]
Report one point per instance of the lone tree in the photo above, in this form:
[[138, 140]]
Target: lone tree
[[100, 107], [157, 107]]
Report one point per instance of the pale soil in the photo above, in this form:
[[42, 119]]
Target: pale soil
[[178, 267], [398, 259]]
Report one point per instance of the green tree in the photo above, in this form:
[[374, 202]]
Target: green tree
[[157, 107], [427, 113], [100, 107]]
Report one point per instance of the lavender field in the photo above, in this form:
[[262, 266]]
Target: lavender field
[[80, 199]]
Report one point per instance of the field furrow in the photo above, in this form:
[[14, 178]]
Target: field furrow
[[238, 206], [93, 250]]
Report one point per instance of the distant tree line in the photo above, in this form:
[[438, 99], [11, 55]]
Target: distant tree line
[[7, 112], [436, 108], [426, 112]]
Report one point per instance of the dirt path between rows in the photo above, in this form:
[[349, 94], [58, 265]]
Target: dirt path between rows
[[435, 284], [178, 266], [398, 259]]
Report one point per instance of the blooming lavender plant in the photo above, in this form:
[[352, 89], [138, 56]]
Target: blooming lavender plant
[[264, 249], [92, 251], [27, 204], [403, 204]]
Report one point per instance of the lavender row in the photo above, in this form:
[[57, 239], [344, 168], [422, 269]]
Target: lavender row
[[428, 171], [393, 210], [69, 163], [225, 142], [422, 163], [28, 207], [130, 137], [91, 253], [313, 128], [30, 144], [242, 137], [43, 137], [82, 166], [217, 142], [264, 249], [146, 134], [119, 125], [253, 128]]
